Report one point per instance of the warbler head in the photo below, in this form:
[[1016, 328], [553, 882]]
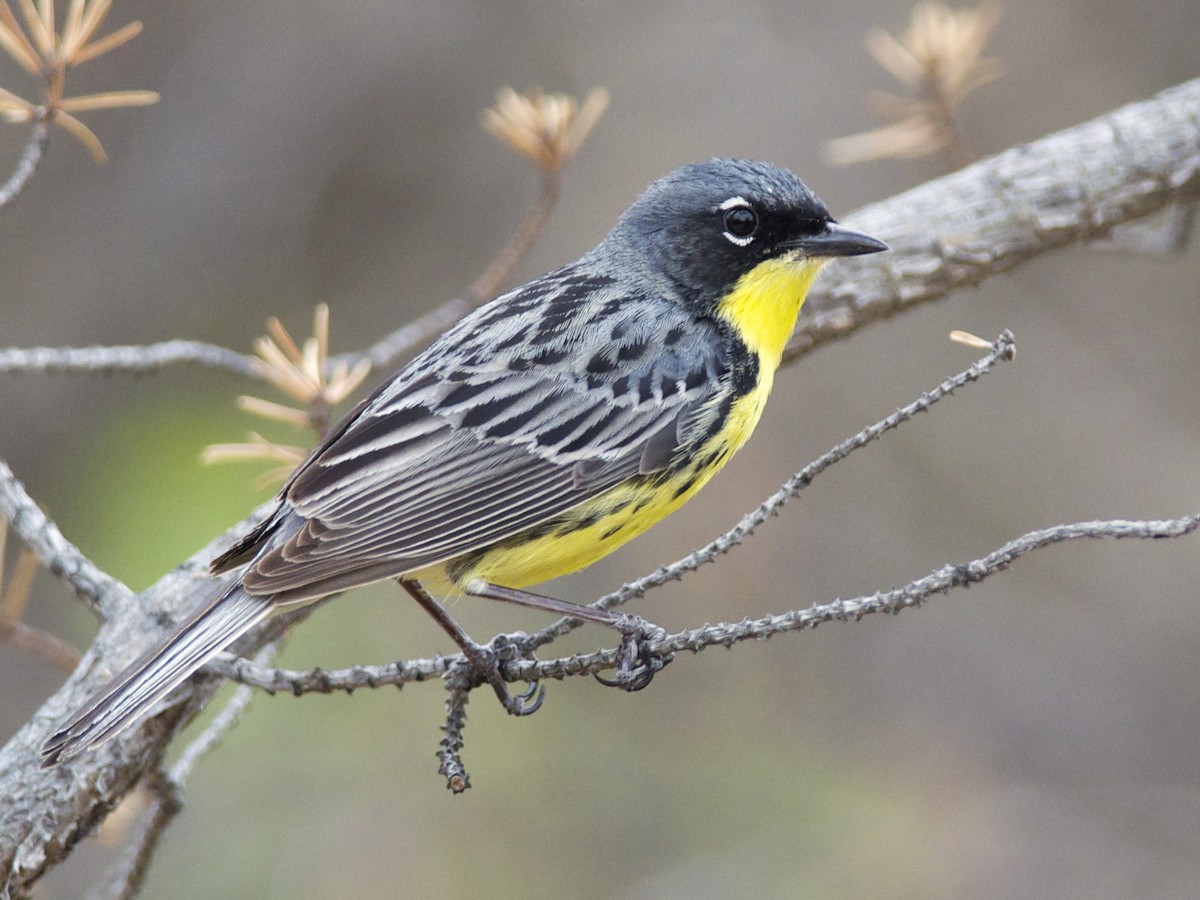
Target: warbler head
[[702, 227]]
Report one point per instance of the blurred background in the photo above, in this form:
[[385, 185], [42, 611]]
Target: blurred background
[[1034, 736]]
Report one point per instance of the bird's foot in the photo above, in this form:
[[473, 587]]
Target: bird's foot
[[637, 661], [485, 663]]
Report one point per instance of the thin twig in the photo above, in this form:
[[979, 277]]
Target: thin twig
[[725, 633], [42, 643], [168, 790], [488, 284], [328, 681], [28, 163], [110, 360], [128, 876], [221, 724], [458, 687], [914, 593], [96, 588], [404, 340]]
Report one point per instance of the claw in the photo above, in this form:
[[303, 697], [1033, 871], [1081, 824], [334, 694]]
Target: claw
[[636, 663], [520, 705], [528, 693], [486, 663]]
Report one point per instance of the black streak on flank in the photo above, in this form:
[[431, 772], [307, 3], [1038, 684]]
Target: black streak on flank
[[612, 532], [745, 373], [687, 484]]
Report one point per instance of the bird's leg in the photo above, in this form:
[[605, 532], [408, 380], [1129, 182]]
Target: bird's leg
[[484, 660], [636, 664]]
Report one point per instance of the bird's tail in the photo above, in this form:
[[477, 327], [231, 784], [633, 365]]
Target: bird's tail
[[142, 684]]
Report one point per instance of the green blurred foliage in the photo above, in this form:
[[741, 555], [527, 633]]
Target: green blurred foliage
[[140, 500]]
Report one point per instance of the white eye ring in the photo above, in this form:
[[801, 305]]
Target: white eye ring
[[741, 240]]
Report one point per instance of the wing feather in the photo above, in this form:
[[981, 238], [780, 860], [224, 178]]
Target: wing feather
[[502, 424]]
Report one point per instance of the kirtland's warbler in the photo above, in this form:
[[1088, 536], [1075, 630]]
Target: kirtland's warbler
[[537, 435]]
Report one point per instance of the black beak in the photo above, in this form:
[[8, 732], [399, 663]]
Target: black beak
[[837, 240]]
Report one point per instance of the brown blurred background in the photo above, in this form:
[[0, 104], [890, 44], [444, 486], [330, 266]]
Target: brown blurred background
[[1035, 736]]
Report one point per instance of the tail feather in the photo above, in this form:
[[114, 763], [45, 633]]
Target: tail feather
[[141, 685]]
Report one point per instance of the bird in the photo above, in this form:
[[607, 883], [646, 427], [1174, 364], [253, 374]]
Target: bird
[[541, 432]]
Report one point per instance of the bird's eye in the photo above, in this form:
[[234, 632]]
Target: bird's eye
[[740, 224]]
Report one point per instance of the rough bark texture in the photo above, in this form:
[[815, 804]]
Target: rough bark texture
[[955, 231], [1071, 186]]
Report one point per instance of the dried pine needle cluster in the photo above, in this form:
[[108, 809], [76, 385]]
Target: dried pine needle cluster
[[547, 129], [47, 54], [304, 374], [938, 58]]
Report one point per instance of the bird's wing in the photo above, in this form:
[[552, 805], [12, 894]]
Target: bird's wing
[[504, 423]]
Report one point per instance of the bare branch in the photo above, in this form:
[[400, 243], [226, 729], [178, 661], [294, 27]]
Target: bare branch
[[1003, 211], [940, 581], [103, 593], [110, 360], [458, 687], [329, 681], [27, 165], [914, 593], [953, 232], [725, 634]]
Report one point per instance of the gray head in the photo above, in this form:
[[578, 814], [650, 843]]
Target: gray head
[[705, 225]]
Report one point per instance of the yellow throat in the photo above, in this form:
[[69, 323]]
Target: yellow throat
[[764, 304]]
